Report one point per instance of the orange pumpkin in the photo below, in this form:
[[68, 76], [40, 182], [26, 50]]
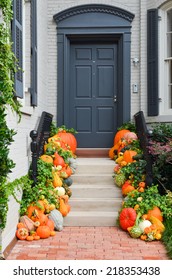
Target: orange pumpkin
[[156, 212], [50, 224], [32, 209], [42, 218], [20, 225], [69, 139], [128, 156], [47, 158], [22, 233], [43, 231], [126, 188], [68, 170], [120, 135]]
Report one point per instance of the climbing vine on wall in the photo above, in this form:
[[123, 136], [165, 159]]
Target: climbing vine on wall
[[8, 66]]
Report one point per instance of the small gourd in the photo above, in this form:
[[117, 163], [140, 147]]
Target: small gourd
[[57, 182], [68, 181]]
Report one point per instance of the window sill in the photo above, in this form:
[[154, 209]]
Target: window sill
[[160, 118], [27, 110]]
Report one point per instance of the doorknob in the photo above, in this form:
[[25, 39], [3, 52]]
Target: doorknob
[[115, 99]]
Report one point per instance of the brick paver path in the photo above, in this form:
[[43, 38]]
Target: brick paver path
[[89, 243]]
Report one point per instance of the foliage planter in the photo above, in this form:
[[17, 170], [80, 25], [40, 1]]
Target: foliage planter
[[150, 212], [46, 203]]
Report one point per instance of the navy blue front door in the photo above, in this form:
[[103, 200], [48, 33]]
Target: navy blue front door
[[93, 92]]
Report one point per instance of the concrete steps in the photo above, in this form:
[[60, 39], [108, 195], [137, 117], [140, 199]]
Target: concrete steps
[[95, 199]]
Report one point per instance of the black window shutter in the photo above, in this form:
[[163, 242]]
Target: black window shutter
[[152, 62], [17, 38], [34, 52]]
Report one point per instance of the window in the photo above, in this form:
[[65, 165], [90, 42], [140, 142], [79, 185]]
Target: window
[[165, 59], [25, 18]]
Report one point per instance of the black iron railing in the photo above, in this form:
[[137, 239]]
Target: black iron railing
[[39, 137], [144, 136]]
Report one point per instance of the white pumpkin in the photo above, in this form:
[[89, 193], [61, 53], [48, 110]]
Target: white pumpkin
[[143, 224], [60, 191], [130, 136]]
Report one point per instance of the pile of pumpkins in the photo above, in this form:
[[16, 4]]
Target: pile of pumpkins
[[42, 218], [148, 226]]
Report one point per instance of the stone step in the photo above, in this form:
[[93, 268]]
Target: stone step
[[95, 166], [89, 219], [87, 178], [98, 191], [98, 169], [95, 199], [95, 204], [92, 152]]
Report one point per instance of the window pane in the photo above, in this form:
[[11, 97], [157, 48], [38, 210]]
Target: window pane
[[169, 33], [170, 84], [169, 20], [170, 96]]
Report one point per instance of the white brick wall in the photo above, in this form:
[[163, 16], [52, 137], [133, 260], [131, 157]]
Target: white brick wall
[[20, 148]]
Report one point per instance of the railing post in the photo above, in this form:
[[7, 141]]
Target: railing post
[[34, 150], [144, 137]]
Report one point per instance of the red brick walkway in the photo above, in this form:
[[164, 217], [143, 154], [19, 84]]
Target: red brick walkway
[[89, 243]]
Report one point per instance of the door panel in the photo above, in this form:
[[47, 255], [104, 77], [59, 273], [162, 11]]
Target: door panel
[[93, 85]]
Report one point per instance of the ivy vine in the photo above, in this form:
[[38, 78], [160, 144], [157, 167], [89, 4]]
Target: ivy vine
[[8, 66]]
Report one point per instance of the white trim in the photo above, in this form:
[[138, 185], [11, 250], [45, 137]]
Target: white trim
[[164, 109]]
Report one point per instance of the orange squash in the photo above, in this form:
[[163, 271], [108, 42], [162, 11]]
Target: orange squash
[[52, 233], [27, 222], [36, 237], [64, 209], [128, 156], [58, 160], [119, 135], [29, 238], [113, 151]]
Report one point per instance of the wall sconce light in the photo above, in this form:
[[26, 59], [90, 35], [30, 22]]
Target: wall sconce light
[[135, 61]]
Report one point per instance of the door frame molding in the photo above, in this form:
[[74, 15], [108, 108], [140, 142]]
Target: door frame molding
[[91, 21]]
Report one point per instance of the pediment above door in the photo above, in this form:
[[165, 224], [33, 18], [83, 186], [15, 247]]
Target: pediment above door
[[80, 13]]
